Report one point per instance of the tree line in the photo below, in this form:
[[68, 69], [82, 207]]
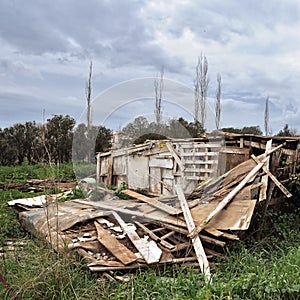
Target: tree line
[[51, 142]]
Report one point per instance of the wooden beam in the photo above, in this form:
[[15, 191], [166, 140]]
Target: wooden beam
[[199, 250], [175, 155], [274, 179]]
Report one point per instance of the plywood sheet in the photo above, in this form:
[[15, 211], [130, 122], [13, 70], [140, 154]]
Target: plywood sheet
[[166, 163], [236, 216], [137, 172]]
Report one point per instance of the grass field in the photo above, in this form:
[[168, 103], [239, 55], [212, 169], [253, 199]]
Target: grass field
[[264, 269]]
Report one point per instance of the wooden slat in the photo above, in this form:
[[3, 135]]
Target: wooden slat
[[198, 170], [185, 154], [198, 146], [200, 162], [199, 250], [175, 155], [110, 242], [218, 233], [153, 202], [264, 179], [274, 179], [154, 237], [148, 249]]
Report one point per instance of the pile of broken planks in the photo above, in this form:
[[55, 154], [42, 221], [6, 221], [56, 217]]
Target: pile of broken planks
[[116, 234]]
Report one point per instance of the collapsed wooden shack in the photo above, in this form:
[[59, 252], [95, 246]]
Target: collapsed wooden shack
[[177, 224], [157, 166]]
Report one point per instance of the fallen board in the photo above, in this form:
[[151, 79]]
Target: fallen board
[[121, 252]]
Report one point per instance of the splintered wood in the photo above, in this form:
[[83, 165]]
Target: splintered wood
[[188, 229]]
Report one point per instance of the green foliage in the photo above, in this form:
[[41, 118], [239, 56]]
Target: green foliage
[[52, 142], [194, 128], [140, 129], [36, 272], [245, 130], [149, 136], [286, 131], [87, 142], [294, 186], [78, 193], [261, 269]]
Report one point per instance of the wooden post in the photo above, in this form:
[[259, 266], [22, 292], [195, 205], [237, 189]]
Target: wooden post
[[98, 169]]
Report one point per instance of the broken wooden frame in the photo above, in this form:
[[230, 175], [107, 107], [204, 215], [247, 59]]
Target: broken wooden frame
[[116, 234]]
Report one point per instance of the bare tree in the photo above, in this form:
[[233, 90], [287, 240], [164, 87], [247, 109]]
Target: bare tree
[[158, 88], [267, 117], [88, 91], [201, 86], [197, 96], [218, 102]]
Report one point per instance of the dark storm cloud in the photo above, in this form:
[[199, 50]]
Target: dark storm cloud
[[46, 47], [108, 30]]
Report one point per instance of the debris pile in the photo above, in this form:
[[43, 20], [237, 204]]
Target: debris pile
[[117, 234]]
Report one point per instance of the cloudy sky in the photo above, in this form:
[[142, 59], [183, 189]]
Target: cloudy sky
[[46, 48]]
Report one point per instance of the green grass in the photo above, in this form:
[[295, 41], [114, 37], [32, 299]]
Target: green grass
[[260, 269], [20, 174]]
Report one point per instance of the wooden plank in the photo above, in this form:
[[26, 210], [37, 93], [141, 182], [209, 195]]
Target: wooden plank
[[153, 202], [186, 154], [155, 180], [167, 235], [274, 179], [121, 252], [227, 199], [199, 250], [110, 170], [166, 163], [200, 162], [181, 246], [107, 263], [218, 233], [264, 179], [212, 240], [198, 170], [148, 249], [175, 155], [98, 168], [194, 178], [198, 146]]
